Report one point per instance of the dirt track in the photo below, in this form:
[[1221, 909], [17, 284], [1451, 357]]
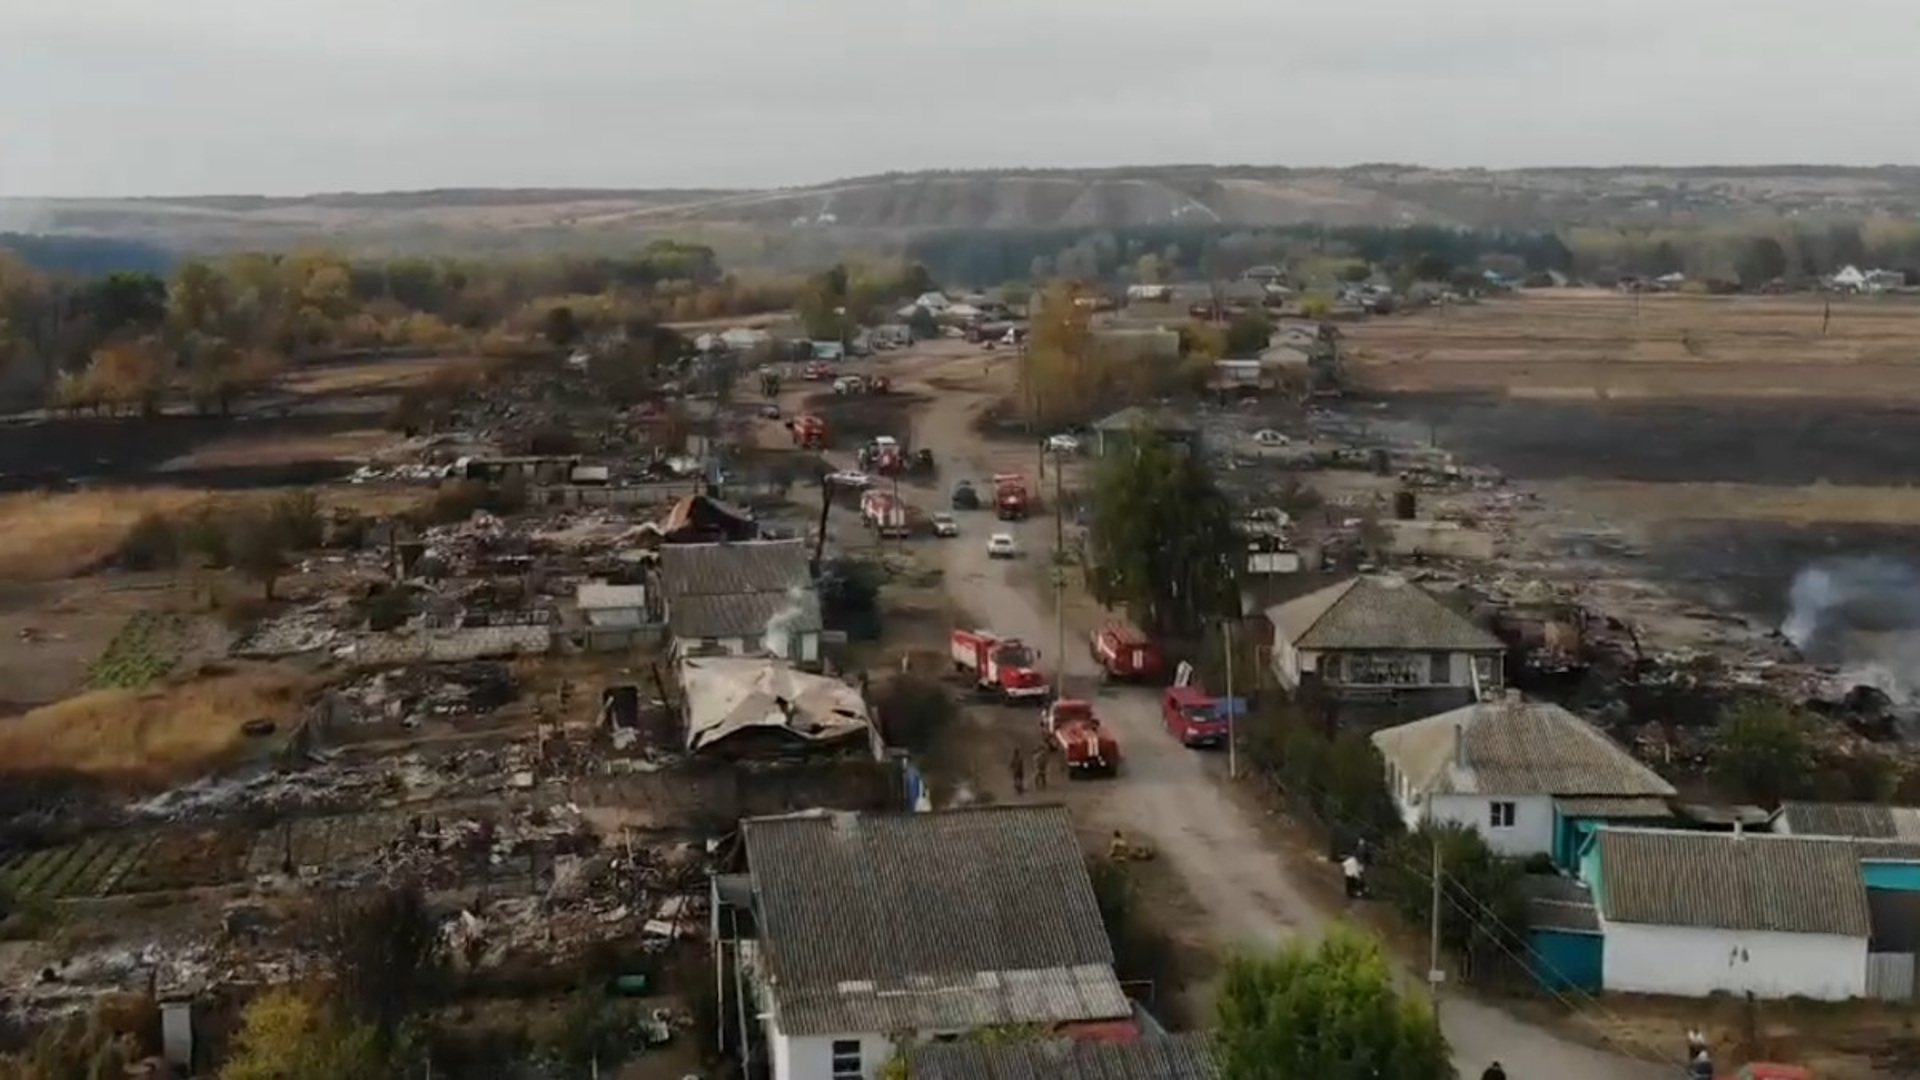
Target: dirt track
[[1167, 794]]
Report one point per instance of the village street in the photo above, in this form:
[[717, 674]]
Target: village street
[[1166, 794]]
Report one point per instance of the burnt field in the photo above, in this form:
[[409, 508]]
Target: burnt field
[[1793, 442]]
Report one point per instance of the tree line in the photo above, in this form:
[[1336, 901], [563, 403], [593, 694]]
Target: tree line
[[210, 329], [1748, 256]]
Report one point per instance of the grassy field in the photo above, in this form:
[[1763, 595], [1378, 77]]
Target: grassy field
[[159, 734], [1589, 344]]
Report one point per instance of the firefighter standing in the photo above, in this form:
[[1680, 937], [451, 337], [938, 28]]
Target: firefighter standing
[[1019, 766], [1040, 769]]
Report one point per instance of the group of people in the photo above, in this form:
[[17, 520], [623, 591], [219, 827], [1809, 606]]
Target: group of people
[[1018, 767]]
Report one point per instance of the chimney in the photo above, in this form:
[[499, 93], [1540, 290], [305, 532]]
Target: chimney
[[1739, 830], [1460, 745]]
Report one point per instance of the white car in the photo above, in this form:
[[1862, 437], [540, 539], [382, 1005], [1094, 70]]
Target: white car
[[945, 525], [1062, 444], [1001, 546], [1270, 437], [852, 478]]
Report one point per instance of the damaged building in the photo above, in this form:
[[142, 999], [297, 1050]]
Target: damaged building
[[742, 599]]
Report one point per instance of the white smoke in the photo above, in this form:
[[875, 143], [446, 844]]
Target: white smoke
[[27, 216], [778, 634], [1861, 614]]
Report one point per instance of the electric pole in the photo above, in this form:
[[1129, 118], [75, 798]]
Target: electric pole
[[1059, 575], [1435, 976], [1233, 749]]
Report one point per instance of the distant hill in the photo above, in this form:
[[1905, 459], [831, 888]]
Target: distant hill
[[897, 206]]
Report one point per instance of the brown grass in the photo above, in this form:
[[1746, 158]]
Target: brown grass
[[254, 450], [155, 735], [376, 375], [45, 537], [1585, 343]]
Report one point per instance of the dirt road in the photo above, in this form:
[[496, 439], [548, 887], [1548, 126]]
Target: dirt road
[[1165, 793]]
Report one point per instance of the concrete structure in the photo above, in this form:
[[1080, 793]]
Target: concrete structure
[[1693, 913], [1503, 766], [611, 606], [854, 952], [1369, 638]]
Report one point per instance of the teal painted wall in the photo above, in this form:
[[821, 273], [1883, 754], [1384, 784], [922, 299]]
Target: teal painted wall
[[1564, 960], [1892, 876]]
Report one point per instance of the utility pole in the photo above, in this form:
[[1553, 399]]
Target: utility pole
[[1434, 975], [1233, 735], [1059, 578]]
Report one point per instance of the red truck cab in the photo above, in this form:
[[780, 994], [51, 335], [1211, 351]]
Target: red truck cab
[[1005, 667], [1194, 716], [1125, 652], [1010, 496], [1077, 734]]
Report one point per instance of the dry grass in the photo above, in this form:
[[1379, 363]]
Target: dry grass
[[48, 536], [376, 375], [252, 450], [1583, 343], [155, 735], [45, 537]]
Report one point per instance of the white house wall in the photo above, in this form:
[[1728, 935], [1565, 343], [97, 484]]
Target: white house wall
[[1692, 962], [1532, 830], [810, 1057]]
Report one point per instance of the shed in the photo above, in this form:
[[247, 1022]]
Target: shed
[[1115, 434]]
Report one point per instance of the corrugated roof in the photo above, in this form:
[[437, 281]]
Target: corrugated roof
[[1155, 419], [744, 614], [1377, 613], [721, 569], [1730, 881], [726, 695], [1559, 903], [936, 921], [1512, 746], [1186, 1056], [1865, 820]]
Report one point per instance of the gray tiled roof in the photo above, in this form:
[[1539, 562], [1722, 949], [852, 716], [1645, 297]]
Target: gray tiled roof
[[1865, 820], [1377, 613], [936, 921], [748, 566], [1513, 746], [1731, 881], [1558, 903], [742, 614], [1617, 807], [1187, 1056]]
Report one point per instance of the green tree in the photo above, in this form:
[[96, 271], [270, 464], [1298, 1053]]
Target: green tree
[[924, 326], [1483, 911], [1163, 538], [590, 1036], [1324, 1012], [1763, 754], [1247, 335]]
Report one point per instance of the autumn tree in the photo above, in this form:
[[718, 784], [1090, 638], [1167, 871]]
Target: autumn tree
[[125, 375], [1163, 538], [290, 1034], [1058, 370], [1247, 334], [1326, 1011]]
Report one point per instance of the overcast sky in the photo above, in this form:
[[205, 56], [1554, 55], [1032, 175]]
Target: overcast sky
[[126, 97]]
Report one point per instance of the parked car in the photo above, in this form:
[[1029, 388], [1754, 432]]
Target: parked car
[[1270, 437], [770, 411], [1001, 546], [1062, 444], [945, 525], [852, 478]]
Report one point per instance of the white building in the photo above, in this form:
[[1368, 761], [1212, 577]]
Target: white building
[[874, 933], [612, 607], [1526, 774], [745, 598], [1696, 913]]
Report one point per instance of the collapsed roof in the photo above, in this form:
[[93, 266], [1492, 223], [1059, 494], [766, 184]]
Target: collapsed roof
[[726, 695]]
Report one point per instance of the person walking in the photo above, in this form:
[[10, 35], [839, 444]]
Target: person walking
[[1040, 769], [1019, 767]]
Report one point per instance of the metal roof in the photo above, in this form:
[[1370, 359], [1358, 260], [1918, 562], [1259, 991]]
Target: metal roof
[[1731, 881], [1383, 613], [1186, 1056], [1513, 746], [933, 921]]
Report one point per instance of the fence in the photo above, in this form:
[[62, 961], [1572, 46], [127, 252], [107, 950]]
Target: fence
[[1890, 976]]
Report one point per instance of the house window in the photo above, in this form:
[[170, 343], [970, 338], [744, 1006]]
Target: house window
[[1500, 815], [1386, 669], [846, 1059], [1484, 667]]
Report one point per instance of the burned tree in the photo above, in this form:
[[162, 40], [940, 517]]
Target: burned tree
[[386, 955]]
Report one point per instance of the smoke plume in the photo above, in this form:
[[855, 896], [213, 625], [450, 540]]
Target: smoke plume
[[778, 635], [1861, 614]]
